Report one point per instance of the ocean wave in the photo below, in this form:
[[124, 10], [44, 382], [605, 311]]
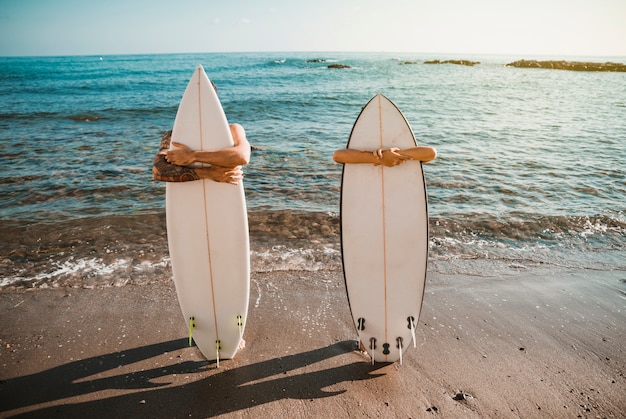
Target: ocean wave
[[285, 258], [120, 250], [93, 115], [91, 272]]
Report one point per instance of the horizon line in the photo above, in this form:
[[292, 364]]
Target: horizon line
[[512, 54]]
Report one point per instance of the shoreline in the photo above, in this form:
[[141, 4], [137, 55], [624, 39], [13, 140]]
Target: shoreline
[[119, 250], [543, 343]]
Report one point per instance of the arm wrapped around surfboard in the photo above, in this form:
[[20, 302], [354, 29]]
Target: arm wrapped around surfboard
[[164, 170], [167, 172]]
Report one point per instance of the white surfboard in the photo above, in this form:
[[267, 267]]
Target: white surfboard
[[384, 235], [207, 228]]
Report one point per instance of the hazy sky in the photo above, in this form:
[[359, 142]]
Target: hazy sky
[[522, 27]]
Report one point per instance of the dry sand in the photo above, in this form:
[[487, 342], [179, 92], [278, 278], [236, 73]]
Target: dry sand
[[538, 344]]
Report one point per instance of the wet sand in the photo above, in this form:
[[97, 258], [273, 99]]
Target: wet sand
[[537, 344]]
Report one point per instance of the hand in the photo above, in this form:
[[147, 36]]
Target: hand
[[390, 157], [181, 156], [232, 175]]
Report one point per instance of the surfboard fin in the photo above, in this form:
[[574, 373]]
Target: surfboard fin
[[217, 352], [411, 326], [373, 348], [400, 347], [192, 325], [360, 326], [240, 325]]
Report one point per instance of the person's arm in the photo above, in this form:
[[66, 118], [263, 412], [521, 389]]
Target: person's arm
[[230, 175], [351, 156], [167, 172], [237, 155], [421, 153], [387, 157]]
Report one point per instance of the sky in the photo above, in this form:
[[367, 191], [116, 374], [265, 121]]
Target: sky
[[514, 27]]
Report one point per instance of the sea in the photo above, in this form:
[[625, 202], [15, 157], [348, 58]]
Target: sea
[[530, 173]]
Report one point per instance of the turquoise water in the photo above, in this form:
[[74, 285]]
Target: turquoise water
[[531, 164]]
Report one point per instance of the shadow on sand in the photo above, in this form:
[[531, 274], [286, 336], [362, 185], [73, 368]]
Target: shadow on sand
[[222, 392]]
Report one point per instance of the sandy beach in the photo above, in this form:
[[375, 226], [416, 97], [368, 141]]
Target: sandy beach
[[537, 344]]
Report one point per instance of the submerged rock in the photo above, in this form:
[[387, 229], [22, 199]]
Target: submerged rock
[[339, 66]]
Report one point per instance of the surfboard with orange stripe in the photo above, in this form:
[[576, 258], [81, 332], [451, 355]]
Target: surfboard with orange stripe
[[384, 235], [207, 228]]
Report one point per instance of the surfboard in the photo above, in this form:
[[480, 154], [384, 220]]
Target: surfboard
[[384, 235], [207, 229]]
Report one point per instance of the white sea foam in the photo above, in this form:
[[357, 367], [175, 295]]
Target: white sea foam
[[78, 272], [284, 258]]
